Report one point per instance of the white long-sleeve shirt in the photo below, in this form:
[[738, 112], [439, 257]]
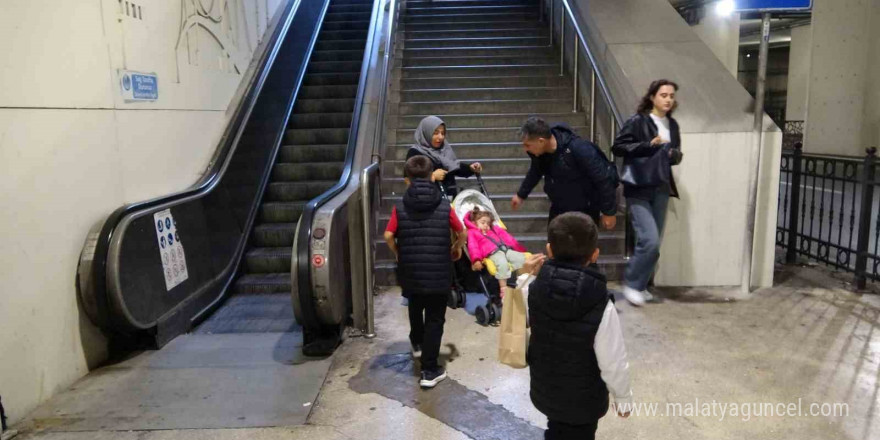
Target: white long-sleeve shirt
[[611, 354]]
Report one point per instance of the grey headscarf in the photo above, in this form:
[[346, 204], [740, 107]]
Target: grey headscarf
[[444, 155]]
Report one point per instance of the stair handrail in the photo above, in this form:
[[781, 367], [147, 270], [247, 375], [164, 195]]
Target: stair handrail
[[597, 78], [302, 245]]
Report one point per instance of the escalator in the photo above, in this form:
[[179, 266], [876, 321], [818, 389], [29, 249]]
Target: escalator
[[292, 152]]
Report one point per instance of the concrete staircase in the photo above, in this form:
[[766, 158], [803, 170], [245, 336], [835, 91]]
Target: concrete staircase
[[483, 66]]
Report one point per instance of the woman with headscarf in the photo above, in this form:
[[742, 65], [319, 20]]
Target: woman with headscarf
[[431, 142]]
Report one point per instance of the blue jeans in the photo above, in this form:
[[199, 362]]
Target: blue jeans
[[647, 217]]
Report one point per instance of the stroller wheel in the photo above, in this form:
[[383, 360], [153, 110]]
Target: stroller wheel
[[452, 299], [495, 313], [482, 315]]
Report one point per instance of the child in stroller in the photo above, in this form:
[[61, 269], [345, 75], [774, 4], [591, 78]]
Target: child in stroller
[[488, 242]]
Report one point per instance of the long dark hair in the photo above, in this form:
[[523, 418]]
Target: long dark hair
[[647, 103]]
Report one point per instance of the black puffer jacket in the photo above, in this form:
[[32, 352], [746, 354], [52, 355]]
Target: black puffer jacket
[[574, 175], [647, 167], [566, 304], [424, 264]]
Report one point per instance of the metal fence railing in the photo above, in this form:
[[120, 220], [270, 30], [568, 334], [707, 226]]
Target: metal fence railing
[[828, 211]]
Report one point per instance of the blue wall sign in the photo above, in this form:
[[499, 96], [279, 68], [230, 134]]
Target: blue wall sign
[[138, 86], [773, 5]]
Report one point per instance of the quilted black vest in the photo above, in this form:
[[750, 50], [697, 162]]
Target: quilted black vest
[[424, 241], [566, 304]]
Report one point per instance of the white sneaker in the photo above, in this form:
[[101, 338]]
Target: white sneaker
[[647, 295], [634, 297], [416, 351]]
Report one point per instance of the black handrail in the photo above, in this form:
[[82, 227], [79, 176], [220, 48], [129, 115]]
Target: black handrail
[[102, 315], [304, 232]]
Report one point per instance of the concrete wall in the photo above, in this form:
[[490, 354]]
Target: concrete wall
[[72, 150], [842, 104], [638, 41], [798, 73], [721, 34]]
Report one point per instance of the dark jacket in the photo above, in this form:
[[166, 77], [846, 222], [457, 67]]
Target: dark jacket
[[423, 241], [574, 175], [647, 168], [464, 170], [566, 304]]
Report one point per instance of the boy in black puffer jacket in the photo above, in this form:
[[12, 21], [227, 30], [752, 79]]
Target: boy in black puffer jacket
[[418, 234], [576, 351]]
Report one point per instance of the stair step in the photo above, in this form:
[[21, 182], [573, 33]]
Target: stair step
[[491, 167], [454, 25], [262, 283], [460, 60], [467, 82], [303, 171], [474, 33], [494, 184], [464, 51], [493, 120], [497, 106], [312, 153], [503, 16], [297, 191], [433, 10], [268, 260], [537, 40], [484, 94], [468, 135], [274, 235], [480, 71]]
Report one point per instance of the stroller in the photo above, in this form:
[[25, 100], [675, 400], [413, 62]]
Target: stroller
[[465, 279]]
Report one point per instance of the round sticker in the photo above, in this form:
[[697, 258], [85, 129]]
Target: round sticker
[[160, 226]]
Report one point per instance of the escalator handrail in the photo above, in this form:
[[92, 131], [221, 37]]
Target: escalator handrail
[[304, 232], [208, 181]]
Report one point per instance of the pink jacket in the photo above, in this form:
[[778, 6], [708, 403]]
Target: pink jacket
[[480, 247]]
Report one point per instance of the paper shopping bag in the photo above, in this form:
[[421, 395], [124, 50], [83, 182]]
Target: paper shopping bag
[[514, 337]]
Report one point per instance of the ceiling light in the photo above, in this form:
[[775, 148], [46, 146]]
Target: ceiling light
[[725, 7]]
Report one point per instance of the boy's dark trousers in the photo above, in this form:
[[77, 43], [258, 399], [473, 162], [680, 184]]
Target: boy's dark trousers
[[427, 314], [564, 431]]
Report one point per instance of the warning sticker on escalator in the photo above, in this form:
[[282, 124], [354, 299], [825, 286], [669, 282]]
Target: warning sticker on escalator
[[170, 249]]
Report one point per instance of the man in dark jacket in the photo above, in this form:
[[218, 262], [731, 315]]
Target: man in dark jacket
[[576, 350], [575, 175], [418, 234]]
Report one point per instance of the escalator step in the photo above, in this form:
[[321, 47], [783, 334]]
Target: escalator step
[[328, 92], [303, 171], [346, 25], [337, 55], [324, 105], [268, 260], [278, 212], [334, 66], [341, 44], [320, 120], [312, 153], [263, 283], [274, 235], [356, 34], [297, 191], [316, 136], [331, 79]]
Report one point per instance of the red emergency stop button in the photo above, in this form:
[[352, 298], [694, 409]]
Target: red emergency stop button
[[318, 260]]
